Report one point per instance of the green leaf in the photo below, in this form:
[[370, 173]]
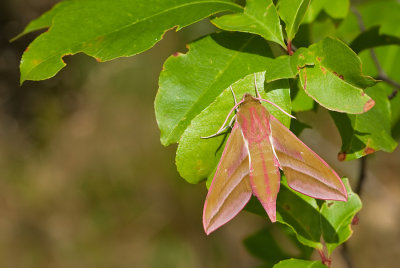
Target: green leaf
[[292, 13], [336, 81], [191, 82], [309, 221], [372, 38], [259, 17], [264, 245], [197, 158], [271, 245], [348, 29], [380, 22], [330, 73], [388, 58], [369, 132], [337, 9], [339, 215], [44, 21], [300, 100], [384, 14], [106, 31], [288, 66], [291, 263], [313, 10], [321, 28]]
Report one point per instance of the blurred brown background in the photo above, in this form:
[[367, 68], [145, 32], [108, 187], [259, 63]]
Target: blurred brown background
[[85, 182]]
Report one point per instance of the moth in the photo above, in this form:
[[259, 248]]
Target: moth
[[258, 147]]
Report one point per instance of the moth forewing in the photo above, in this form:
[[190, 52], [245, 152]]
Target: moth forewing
[[230, 188]]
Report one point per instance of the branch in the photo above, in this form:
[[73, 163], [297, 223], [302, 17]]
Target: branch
[[361, 175], [346, 256]]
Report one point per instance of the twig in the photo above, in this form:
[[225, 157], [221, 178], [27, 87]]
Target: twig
[[361, 175], [346, 256]]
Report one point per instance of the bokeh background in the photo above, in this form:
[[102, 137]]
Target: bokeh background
[[85, 182]]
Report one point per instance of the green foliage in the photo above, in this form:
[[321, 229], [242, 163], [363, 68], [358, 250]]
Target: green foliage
[[292, 13], [320, 226], [106, 31], [329, 68], [196, 165], [267, 245], [338, 71], [368, 132], [299, 264], [191, 82], [259, 17]]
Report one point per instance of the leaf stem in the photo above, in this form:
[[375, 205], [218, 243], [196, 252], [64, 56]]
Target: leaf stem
[[289, 47], [324, 259]]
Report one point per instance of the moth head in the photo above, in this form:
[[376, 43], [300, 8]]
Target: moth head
[[249, 98]]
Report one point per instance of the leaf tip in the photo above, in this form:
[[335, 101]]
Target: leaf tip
[[176, 54], [368, 150], [368, 105]]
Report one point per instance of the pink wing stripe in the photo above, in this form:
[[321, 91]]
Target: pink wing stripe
[[305, 171], [264, 172], [230, 189]]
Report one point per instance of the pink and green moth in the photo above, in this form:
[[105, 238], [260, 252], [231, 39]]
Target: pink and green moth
[[257, 148]]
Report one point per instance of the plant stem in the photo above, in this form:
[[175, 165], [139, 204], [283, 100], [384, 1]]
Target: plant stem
[[325, 260], [360, 182], [289, 47], [346, 256], [361, 176]]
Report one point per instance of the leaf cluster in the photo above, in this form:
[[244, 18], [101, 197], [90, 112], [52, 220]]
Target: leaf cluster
[[305, 53]]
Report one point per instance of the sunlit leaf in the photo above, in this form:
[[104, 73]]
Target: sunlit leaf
[[197, 158], [106, 31], [191, 82], [291, 263], [259, 17], [336, 80], [292, 13]]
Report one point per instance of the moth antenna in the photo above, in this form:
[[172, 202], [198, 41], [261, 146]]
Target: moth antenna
[[283, 111], [223, 127], [255, 85], [233, 93]]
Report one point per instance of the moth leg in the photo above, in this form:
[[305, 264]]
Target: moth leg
[[222, 129]]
